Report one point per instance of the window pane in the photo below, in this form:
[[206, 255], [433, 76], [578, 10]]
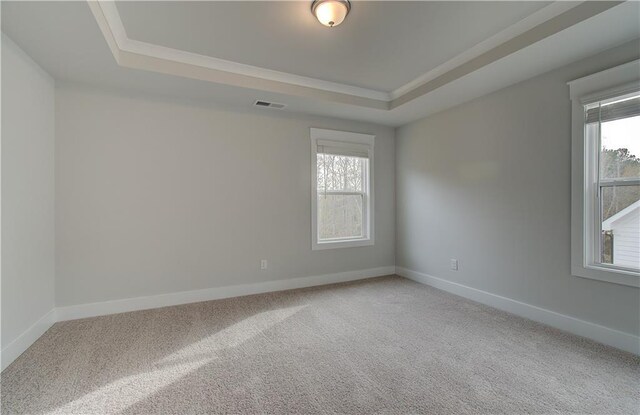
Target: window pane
[[339, 216], [620, 148], [340, 173], [620, 241]]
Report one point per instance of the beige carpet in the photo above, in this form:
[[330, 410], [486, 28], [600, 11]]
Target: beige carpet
[[385, 345]]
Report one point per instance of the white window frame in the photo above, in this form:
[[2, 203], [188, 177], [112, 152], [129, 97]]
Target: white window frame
[[614, 82], [344, 139]]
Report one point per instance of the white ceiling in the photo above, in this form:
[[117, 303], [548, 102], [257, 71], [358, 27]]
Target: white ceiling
[[65, 39], [381, 45]]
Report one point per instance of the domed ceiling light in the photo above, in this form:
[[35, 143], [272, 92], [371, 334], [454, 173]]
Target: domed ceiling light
[[330, 12]]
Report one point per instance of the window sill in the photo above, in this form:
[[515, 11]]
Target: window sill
[[612, 275], [350, 243]]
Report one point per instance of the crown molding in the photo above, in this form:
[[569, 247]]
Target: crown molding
[[556, 21], [142, 55], [518, 28], [135, 54]]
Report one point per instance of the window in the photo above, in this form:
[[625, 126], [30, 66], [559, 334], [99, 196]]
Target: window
[[606, 191], [342, 189], [612, 140]]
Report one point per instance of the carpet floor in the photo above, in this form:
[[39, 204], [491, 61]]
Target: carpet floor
[[383, 345]]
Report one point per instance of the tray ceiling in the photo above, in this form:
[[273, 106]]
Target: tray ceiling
[[91, 44], [380, 46]]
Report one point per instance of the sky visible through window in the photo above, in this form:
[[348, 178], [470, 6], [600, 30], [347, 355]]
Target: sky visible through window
[[624, 133]]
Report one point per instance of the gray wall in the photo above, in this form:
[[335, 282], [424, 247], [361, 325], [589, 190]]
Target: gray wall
[[158, 197], [488, 183], [27, 192]]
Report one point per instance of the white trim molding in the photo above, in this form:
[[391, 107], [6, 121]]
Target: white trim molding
[[605, 335], [366, 144], [601, 334], [33, 333], [142, 55], [14, 349], [617, 81], [186, 297], [530, 22], [136, 54]]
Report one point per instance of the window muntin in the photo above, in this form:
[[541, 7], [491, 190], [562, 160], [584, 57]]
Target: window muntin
[[612, 197], [342, 189]]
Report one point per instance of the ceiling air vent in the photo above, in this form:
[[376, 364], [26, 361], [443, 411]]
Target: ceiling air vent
[[267, 104]]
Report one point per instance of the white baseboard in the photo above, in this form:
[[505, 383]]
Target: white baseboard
[[605, 335], [601, 334], [33, 333], [185, 297], [27, 338]]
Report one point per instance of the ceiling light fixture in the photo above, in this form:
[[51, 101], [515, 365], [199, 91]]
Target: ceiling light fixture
[[330, 12]]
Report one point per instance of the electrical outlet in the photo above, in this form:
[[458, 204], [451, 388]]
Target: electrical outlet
[[454, 264], [263, 264]]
